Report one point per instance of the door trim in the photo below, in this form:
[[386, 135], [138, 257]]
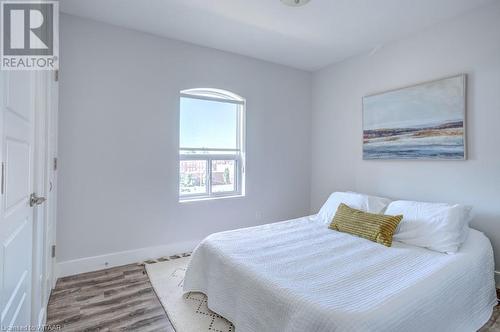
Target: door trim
[[45, 145]]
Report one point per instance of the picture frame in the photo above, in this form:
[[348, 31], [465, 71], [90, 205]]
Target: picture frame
[[424, 121]]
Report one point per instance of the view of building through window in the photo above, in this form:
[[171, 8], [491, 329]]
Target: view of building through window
[[211, 141], [193, 177], [223, 175]]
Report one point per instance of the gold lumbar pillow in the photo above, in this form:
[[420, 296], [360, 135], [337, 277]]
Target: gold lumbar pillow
[[374, 227]]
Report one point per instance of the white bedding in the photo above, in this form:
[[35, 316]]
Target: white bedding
[[298, 275]]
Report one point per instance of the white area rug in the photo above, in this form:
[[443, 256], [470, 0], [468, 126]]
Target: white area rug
[[188, 312]]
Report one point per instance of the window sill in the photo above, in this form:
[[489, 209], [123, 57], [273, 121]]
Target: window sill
[[213, 198]]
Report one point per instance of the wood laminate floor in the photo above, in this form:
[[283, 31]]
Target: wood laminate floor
[[116, 299]]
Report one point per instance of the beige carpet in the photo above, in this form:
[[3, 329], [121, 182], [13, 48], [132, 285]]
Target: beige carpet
[[189, 312]]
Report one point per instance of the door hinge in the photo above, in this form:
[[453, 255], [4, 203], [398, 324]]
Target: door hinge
[[56, 75], [53, 253], [55, 164]]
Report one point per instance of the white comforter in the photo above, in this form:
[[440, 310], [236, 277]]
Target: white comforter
[[298, 275]]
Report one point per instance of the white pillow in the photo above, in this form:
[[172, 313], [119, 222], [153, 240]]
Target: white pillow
[[436, 226], [374, 204], [358, 201]]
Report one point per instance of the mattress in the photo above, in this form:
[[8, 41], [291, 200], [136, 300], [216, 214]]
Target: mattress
[[298, 275]]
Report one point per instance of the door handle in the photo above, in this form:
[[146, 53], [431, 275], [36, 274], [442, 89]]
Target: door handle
[[36, 200]]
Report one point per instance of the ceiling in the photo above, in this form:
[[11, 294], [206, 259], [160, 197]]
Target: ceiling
[[309, 37]]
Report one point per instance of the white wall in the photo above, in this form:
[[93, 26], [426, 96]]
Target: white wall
[[469, 44], [119, 134], [119, 99]]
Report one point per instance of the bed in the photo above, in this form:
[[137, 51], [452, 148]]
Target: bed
[[298, 275]]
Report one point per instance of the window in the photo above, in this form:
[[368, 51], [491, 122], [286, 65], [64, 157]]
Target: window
[[211, 144]]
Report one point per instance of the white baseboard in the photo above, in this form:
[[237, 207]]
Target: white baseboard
[[88, 264], [497, 279]]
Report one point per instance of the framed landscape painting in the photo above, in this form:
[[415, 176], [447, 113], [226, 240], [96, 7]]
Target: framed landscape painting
[[424, 121]]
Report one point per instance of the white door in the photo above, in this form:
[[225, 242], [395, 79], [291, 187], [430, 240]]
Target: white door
[[16, 222]]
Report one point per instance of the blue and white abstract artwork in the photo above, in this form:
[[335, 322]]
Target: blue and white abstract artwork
[[425, 121]]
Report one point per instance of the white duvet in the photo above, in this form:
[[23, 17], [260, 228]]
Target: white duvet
[[298, 275]]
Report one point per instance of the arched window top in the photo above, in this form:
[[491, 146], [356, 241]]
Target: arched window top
[[213, 94]]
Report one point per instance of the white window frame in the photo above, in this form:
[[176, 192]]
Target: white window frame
[[211, 154]]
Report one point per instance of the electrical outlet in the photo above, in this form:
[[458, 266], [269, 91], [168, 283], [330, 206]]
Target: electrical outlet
[[258, 215]]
